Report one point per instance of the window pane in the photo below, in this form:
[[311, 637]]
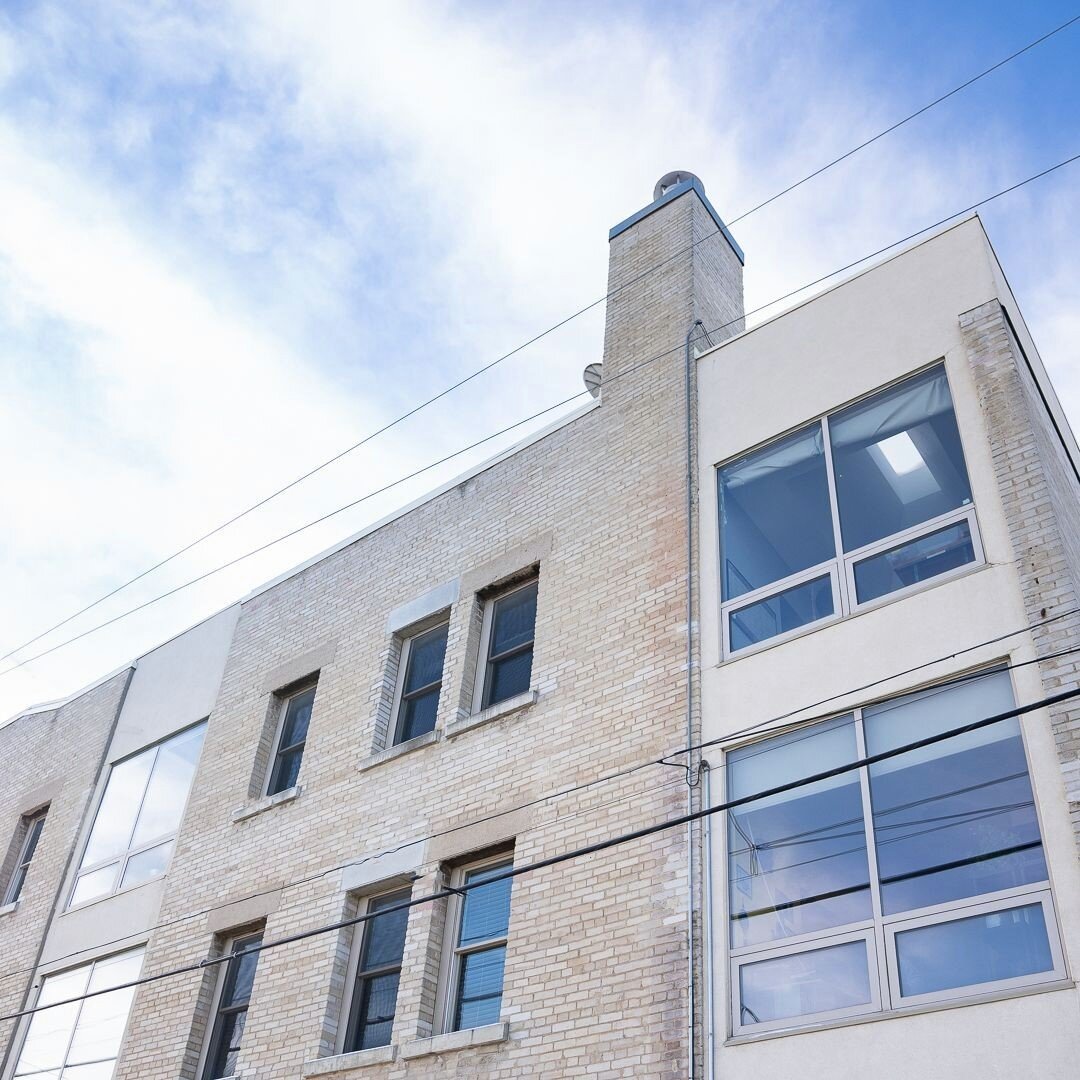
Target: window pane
[[170, 782], [978, 949], [797, 861], [242, 972], [418, 715], [99, 1070], [775, 516], [147, 865], [509, 677], [377, 1006], [918, 560], [101, 1026], [427, 652], [97, 883], [384, 936], [897, 459], [115, 819], [286, 770], [787, 610], [955, 819], [480, 999], [513, 620], [485, 910], [801, 984], [297, 717]]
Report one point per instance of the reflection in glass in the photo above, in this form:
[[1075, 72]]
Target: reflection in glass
[[797, 861], [897, 459], [290, 751], [81, 1039], [485, 917], [957, 818], [804, 983], [374, 1002], [774, 513], [781, 612], [917, 560], [422, 683], [147, 865], [169, 784], [228, 1032], [510, 645], [979, 949]]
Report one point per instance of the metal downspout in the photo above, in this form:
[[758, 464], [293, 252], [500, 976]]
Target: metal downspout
[[692, 774]]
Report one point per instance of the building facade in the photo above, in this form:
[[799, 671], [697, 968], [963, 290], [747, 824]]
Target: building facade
[[889, 537], [797, 544]]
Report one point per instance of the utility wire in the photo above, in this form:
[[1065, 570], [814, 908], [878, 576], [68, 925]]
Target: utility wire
[[582, 786], [534, 416], [526, 344], [568, 856]]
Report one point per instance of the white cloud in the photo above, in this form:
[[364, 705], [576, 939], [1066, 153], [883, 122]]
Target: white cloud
[[296, 220]]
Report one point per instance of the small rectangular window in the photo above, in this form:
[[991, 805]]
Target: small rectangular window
[[422, 659], [80, 1040], [296, 716], [479, 954], [30, 829], [509, 629], [378, 969], [230, 1013], [137, 819]]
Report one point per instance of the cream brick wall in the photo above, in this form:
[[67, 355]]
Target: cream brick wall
[[596, 962], [51, 757]]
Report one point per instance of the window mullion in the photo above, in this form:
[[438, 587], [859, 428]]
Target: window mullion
[[834, 512], [872, 864]]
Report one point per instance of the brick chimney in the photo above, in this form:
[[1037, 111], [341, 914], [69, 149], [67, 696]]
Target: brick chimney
[[672, 262]]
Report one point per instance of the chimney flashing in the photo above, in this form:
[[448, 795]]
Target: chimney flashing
[[692, 184]]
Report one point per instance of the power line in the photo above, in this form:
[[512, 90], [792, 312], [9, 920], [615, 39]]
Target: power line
[[575, 853], [534, 416], [566, 320], [594, 782]]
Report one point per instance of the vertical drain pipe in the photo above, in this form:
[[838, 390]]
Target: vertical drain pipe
[[692, 775], [708, 1002]]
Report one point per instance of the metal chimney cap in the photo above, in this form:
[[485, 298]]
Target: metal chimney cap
[[669, 180]]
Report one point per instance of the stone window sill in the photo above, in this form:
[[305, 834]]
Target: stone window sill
[[492, 713], [378, 1055], [7, 909], [399, 750], [488, 1035], [267, 802]]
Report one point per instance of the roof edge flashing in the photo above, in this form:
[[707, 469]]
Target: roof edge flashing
[[694, 185]]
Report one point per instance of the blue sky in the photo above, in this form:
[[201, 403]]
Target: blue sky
[[236, 236]]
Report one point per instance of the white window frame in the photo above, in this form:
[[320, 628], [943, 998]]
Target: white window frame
[[21, 868], [450, 967], [882, 928], [91, 964], [356, 947], [485, 638], [407, 640], [125, 857], [284, 697], [840, 568]]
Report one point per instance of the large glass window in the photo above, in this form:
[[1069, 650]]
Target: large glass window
[[233, 1000], [860, 504], [933, 856], [378, 969], [479, 954], [422, 659], [133, 833], [81, 1040]]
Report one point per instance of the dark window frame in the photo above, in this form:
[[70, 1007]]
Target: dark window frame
[[364, 976], [218, 1051]]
